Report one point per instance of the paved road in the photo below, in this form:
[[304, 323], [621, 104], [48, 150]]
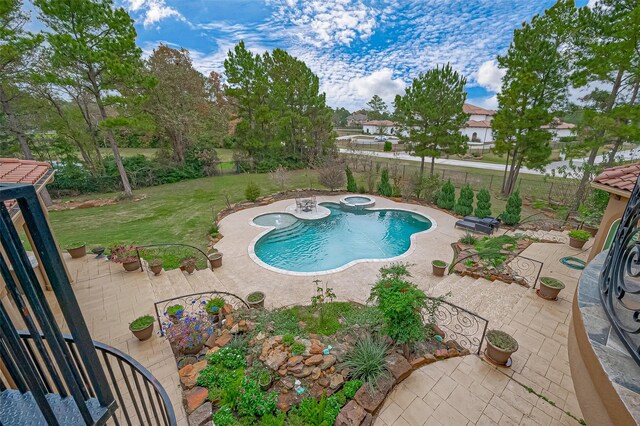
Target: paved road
[[627, 155]]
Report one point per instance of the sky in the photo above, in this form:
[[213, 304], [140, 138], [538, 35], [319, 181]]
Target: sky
[[357, 48]]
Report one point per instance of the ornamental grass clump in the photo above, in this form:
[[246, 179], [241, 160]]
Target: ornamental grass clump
[[552, 282], [189, 333], [141, 323], [579, 234], [214, 305], [366, 361]]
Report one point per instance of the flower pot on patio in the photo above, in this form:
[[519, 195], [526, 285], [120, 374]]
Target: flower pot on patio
[[592, 229], [439, 267], [189, 265], [156, 266], [142, 327], [549, 288], [256, 299], [175, 312], [578, 237], [215, 259], [77, 250], [131, 266], [500, 346]]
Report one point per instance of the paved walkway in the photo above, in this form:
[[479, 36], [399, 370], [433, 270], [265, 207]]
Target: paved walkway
[[468, 391]]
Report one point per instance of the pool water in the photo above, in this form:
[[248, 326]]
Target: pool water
[[358, 200], [340, 238]]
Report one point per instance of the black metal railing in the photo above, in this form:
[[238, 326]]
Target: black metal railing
[[525, 269], [141, 398], [459, 324], [619, 278], [195, 302]]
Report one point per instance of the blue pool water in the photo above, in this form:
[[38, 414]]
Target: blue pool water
[[340, 238]]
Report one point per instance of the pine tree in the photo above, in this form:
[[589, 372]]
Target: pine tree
[[511, 215], [384, 187], [483, 206], [464, 206], [352, 186], [447, 196]]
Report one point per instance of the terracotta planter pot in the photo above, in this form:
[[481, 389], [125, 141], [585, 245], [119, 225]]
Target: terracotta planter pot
[[258, 303], [77, 252], [498, 355], [145, 333], [194, 350], [156, 269], [590, 229], [131, 266], [189, 269], [548, 292], [215, 259], [438, 271], [575, 243]]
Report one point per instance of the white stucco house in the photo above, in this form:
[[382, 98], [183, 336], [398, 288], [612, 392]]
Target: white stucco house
[[560, 129], [380, 127]]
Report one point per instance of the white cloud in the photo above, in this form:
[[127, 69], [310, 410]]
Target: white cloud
[[153, 11], [490, 102], [490, 76], [379, 83]]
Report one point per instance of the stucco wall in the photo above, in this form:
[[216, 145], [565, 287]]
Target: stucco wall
[[614, 211]]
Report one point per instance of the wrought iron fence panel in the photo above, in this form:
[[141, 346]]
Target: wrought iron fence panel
[[459, 324], [525, 269]]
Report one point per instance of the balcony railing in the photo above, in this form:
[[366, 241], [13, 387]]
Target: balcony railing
[[141, 398], [620, 278]]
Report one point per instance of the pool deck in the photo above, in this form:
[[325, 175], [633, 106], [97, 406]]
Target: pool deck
[[242, 275]]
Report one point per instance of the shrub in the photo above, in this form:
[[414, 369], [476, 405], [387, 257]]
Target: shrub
[[218, 376], [483, 205], [214, 230], [469, 239], [273, 420], [502, 340], [141, 323], [579, 234], [384, 187], [224, 417], [388, 146], [311, 412], [214, 305], [332, 175], [352, 186], [464, 206], [297, 348], [366, 361], [511, 215], [446, 196], [253, 402], [124, 253], [351, 387], [229, 358], [288, 339], [252, 192], [362, 189]]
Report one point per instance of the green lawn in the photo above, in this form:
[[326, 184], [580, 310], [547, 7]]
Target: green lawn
[[181, 212], [223, 154]]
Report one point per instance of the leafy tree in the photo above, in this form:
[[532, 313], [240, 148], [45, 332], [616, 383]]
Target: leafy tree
[[447, 196], [536, 80], [430, 114], [384, 187], [180, 102], [331, 175], [511, 214], [464, 205], [388, 147], [378, 109], [483, 205], [352, 186], [93, 45], [339, 117]]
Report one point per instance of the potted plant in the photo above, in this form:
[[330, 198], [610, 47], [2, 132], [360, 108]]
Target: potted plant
[[156, 266], [127, 255], [439, 267], [213, 307], [256, 299], [77, 250], [174, 312], [142, 327], [500, 346], [215, 259], [188, 264], [189, 335], [264, 380], [578, 237], [549, 288]]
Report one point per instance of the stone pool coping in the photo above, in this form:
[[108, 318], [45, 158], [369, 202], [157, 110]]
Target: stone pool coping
[[410, 250]]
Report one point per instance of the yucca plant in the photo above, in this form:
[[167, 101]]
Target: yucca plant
[[366, 361]]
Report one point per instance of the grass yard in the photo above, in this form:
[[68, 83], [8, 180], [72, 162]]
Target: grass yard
[[223, 154]]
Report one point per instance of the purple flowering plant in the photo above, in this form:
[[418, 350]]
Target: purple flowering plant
[[191, 331]]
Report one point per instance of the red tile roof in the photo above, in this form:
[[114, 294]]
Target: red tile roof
[[381, 123], [13, 170], [476, 110], [619, 178], [479, 123]]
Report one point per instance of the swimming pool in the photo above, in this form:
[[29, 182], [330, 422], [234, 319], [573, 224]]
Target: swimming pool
[[345, 236]]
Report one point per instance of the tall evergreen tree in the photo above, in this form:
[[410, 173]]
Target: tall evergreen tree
[[430, 114], [513, 209], [464, 205], [352, 186], [92, 44], [483, 203], [378, 108], [535, 82], [446, 197]]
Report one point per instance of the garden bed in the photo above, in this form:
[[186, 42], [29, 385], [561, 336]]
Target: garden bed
[[331, 362]]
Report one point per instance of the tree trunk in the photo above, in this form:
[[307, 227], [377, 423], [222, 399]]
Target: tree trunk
[[126, 186], [433, 164], [508, 187], [506, 167], [14, 125], [421, 167]]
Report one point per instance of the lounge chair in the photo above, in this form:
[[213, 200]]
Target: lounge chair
[[475, 226], [490, 221]]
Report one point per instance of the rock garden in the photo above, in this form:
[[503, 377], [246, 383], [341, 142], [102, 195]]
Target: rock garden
[[322, 364]]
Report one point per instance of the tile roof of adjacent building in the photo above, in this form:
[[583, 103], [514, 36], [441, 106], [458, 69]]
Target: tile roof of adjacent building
[[476, 110], [13, 170], [485, 124], [558, 124], [619, 180], [383, 123]]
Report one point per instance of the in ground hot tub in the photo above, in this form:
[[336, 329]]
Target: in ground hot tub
[[357, 202]]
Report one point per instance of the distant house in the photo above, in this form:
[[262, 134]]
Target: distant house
[[380, 127], [356, 119], [478, 128], [560, 129]]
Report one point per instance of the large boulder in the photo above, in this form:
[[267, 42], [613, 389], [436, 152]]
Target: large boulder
[[202, 415], [398, 366], [353, 414], [276, 359], [189, 373], [194, 398], [371, 400]]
